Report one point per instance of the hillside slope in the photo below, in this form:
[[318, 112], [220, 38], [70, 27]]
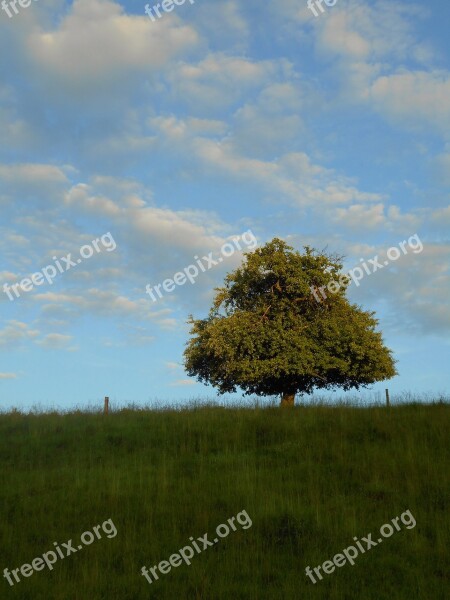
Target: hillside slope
[[309, 479]]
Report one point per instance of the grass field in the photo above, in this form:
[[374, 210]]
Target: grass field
[[310, 479]]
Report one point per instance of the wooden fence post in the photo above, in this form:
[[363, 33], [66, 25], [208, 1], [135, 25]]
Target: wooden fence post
[[387, 398], [106, 405]]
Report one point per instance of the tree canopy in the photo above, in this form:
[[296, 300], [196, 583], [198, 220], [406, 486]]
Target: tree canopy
[[268, 335]]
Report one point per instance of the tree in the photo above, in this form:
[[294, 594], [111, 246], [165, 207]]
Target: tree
[[267, 334]]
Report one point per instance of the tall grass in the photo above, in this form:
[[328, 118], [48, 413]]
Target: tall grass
[[311, 478]]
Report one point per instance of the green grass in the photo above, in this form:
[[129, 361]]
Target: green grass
[[310, 478]]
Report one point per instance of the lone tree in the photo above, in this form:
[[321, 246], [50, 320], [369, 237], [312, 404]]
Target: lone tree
[[267, 334]]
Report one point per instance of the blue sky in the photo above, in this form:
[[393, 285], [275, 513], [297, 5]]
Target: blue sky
[[177, 135]]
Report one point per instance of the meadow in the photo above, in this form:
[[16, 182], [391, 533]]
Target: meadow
[[311, 478]]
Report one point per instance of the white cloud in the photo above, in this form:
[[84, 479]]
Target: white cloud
[[416, 98], [270, 123], [15, 333], [32, 174], [371, 44], [338, 37], [441, 215], [293, 175], [223, 23], [32, 183], [360, 31], [8, 376], [442, 167], [402, 222], [55, 341], [103, 303], [173, 366], [167, 226], [219, 80], [79, 196], [183, 382], [415, 290], [97, 42], [358, 216]]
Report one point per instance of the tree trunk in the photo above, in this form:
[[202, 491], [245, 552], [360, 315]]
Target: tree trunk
[[288, 399]]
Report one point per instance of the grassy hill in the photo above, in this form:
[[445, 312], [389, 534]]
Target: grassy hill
[[310, 480]]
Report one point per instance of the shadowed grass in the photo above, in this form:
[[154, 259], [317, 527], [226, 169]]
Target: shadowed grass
[[310, 478]]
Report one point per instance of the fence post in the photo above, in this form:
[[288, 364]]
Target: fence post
[[387, 398], [106, 405]]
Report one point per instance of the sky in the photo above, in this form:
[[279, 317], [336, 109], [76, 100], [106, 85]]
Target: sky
[[133, 146]]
